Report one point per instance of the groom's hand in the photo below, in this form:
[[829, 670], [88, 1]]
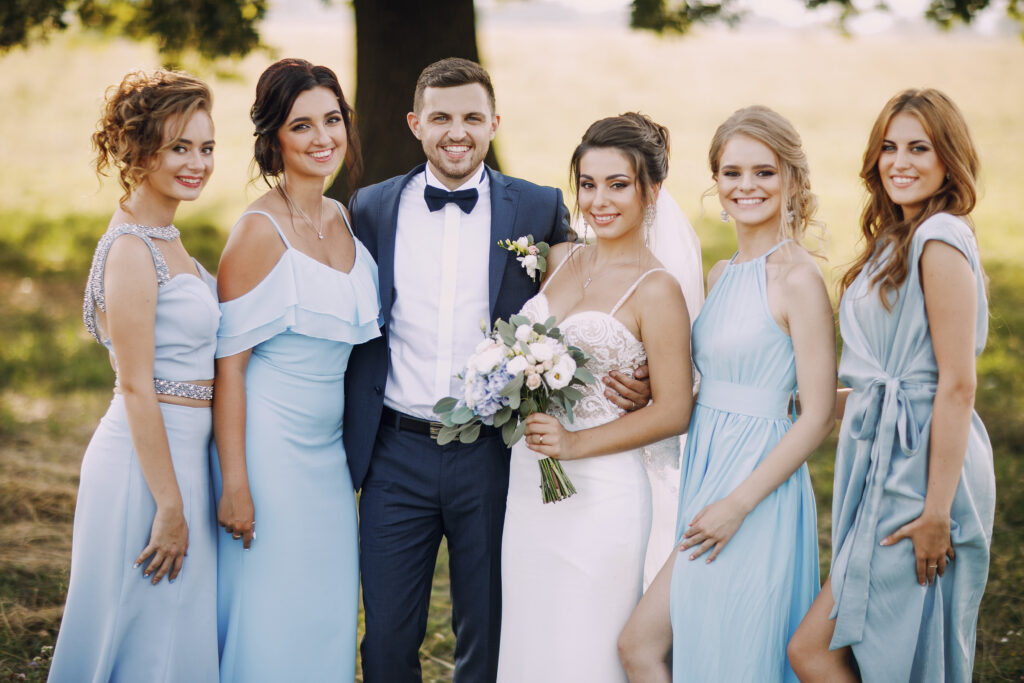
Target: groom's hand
[[628, 393]]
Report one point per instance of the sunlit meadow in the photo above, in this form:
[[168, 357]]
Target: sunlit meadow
[[552, 80]]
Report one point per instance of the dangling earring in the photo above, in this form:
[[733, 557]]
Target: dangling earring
[[725, 216], [650, 212], [791, 216]]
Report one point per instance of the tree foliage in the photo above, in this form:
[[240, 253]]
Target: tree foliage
[[208, 28], [679, 16]]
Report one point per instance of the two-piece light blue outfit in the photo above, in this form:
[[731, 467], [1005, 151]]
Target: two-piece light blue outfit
[[898, 629], [287, 608], [117, 626], [732, 618]]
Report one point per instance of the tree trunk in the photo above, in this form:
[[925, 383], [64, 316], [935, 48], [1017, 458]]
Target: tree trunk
[[395, 40]]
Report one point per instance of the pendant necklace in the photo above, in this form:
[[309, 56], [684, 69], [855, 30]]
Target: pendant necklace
[[293, 208], [590, 278]]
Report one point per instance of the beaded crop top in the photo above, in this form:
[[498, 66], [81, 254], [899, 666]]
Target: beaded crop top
[[187, 315]]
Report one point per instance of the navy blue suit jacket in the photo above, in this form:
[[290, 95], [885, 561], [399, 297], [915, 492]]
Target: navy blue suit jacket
[[518, 208]]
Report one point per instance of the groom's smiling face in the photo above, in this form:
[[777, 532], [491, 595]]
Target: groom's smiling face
[[456, 126]]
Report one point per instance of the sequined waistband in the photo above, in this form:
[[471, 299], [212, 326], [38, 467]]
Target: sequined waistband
[[169, 387]]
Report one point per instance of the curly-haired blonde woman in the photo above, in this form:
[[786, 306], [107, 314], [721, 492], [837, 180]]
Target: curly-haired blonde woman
[[747, 567], [144, 497]]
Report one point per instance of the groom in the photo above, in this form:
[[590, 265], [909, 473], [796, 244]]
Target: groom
[[434, 234]]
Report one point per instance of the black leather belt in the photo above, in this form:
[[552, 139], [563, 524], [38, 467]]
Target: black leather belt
[[408, 423]]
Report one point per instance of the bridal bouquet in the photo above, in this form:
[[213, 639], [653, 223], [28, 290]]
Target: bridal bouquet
[[518, 369]]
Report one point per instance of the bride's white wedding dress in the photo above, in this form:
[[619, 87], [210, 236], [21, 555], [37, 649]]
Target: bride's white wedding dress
[[572, 572]]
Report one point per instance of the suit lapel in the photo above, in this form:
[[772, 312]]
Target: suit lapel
[[386, 241], [503, 213]]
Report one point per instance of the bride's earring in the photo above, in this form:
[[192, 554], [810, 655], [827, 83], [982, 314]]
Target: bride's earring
[[725, 216], [650, 212]]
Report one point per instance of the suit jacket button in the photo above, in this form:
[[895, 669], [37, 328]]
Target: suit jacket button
[[378, 390]]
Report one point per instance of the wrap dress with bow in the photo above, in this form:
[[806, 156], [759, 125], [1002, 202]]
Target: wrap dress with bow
[[898, 629]]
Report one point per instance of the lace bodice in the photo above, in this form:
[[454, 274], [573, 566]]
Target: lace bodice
[[611, 346]]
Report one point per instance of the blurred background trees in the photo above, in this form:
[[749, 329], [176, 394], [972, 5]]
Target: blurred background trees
[[394, 41]]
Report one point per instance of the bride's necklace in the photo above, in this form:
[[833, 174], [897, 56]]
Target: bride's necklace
[[293, 209], [590, 278]]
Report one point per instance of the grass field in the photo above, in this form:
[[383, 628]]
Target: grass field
[[551, 82]]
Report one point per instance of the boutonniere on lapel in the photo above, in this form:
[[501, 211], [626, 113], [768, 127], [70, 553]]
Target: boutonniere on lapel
[[532, 256]]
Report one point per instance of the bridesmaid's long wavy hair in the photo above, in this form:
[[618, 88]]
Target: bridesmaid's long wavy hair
[[776, 132], [882, 223], [131, 131], [644, 142], [276, 91]]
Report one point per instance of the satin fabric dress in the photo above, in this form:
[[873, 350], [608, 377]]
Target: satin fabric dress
[[287, 607], [572, 571], [898, 629], [117, 626], [732, 618]]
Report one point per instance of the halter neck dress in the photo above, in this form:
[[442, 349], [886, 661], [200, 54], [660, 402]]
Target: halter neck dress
[[572, 571], [117, 626], [732, 618], [287, 607]]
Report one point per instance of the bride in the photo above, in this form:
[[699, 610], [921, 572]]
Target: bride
[[572, 572]]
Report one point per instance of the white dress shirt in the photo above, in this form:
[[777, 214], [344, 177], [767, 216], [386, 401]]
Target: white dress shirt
[[441, 294]]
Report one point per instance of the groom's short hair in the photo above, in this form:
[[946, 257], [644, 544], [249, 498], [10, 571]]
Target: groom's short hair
[[449, 73]]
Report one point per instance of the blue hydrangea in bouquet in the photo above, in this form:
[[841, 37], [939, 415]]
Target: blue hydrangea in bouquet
[[519, 368]]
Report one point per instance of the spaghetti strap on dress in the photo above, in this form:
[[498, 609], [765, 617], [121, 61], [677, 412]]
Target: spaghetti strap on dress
[[288, 607], [572, 571]]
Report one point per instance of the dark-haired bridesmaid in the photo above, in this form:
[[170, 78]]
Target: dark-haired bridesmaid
[[914, 485], [297, 291]]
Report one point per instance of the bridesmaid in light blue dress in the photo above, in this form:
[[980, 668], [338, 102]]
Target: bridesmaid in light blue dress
[[144, 494], [747, 566], [297, 291], [914, 492]]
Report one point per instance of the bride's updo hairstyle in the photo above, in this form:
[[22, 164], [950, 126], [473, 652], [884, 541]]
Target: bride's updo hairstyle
[[130, 132], [778, 134], [276, 91], [644, 142]]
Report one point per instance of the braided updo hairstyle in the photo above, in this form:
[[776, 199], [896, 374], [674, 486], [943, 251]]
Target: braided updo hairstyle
[[278, 88], [130, 132]]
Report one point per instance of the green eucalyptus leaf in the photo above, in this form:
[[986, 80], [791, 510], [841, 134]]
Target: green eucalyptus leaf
[[470, 433]]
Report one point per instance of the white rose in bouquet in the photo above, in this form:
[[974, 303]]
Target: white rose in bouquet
[[484, 361], [542, 351], [523, 332], [517, 364], [561, 373]]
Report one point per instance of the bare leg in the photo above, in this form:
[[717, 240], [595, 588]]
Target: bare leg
[[808, 648], [646, 640]]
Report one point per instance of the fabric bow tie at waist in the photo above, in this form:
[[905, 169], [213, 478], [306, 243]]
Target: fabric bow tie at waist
[[436, 198], [881, 412]]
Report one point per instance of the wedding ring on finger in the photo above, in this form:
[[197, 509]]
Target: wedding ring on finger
[[933, 566]]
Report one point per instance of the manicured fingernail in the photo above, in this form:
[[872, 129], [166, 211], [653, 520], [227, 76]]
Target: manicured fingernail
[[170, 580], [136, 565]]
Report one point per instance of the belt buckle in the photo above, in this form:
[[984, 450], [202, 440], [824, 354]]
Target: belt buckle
[[435, 429]]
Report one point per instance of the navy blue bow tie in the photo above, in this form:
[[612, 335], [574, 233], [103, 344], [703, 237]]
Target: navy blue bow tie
[[437, 198]]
